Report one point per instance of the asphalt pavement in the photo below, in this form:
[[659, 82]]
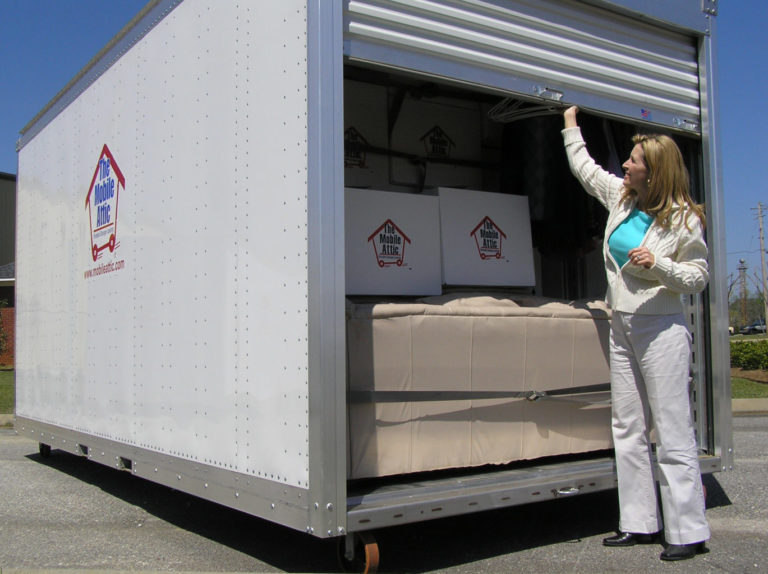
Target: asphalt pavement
[[65, 514]]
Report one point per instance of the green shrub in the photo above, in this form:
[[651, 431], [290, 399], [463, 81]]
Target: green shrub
[[750, 355]]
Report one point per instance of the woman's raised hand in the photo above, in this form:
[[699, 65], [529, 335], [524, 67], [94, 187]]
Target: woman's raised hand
[[570, 117]]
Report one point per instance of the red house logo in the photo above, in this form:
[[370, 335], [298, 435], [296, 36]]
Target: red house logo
[[488, 237], [101, 203], [389, 244], [437, 143]]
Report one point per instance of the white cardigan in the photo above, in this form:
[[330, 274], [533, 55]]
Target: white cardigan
[[680, 255]]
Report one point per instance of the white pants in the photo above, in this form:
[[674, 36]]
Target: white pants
[[650, 365]]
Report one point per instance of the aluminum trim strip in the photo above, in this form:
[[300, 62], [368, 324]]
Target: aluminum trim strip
[[720, 414], [325, 241]]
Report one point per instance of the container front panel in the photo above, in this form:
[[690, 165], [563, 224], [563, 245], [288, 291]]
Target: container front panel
[[162, 246]]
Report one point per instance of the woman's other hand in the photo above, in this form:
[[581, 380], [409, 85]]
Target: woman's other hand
[[570, 117], [641, 256]]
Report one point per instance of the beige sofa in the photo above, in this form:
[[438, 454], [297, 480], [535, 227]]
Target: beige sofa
[[474, 344]]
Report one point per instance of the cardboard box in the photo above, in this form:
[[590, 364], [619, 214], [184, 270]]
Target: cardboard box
[[443, 132], [392, 243], [485, 238], [365, 127]]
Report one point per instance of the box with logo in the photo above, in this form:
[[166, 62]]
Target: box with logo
[[392, 243], [485, 238], [446, 133], [365, 130]]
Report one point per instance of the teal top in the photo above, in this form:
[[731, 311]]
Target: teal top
[[628, 235]]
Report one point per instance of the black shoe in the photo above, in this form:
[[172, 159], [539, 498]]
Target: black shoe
[[629, 539], [683, 551]]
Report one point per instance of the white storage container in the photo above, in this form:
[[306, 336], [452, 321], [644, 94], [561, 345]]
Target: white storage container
[[206, 347]]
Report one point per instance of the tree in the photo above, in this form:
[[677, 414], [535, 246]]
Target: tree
[[754, 306]]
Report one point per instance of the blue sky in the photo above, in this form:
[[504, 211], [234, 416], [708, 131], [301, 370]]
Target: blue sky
[[44, 43]]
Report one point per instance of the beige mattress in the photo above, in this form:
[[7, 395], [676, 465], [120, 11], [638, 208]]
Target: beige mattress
[[474, 343]]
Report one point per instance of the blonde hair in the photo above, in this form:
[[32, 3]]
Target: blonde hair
[[668, 181]]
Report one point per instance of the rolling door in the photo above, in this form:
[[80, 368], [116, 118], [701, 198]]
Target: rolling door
[[537, 49]]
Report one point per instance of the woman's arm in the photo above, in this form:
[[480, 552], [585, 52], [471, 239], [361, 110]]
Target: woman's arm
[[688, 272], [598, 182]]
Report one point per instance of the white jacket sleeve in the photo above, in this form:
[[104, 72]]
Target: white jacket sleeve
[[602, 184], [687, 272]]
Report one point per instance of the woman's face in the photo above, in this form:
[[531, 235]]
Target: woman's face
[[635, 172]]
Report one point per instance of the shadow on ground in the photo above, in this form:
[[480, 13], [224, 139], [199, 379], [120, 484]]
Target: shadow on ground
[[420, 547]]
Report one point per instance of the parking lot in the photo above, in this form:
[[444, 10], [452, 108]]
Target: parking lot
[[67, 513]]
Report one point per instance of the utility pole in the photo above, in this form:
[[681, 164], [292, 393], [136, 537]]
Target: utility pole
[[762, 259], [743, 290]]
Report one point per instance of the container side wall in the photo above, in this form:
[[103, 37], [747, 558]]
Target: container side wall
[[162, 257]]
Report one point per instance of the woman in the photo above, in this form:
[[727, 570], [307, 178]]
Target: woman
[[654, 252]]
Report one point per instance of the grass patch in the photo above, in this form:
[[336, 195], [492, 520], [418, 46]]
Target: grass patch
[[6, 391], [745, 389]]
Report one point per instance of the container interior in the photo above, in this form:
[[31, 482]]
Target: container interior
[[420, 155], [415, 135]]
